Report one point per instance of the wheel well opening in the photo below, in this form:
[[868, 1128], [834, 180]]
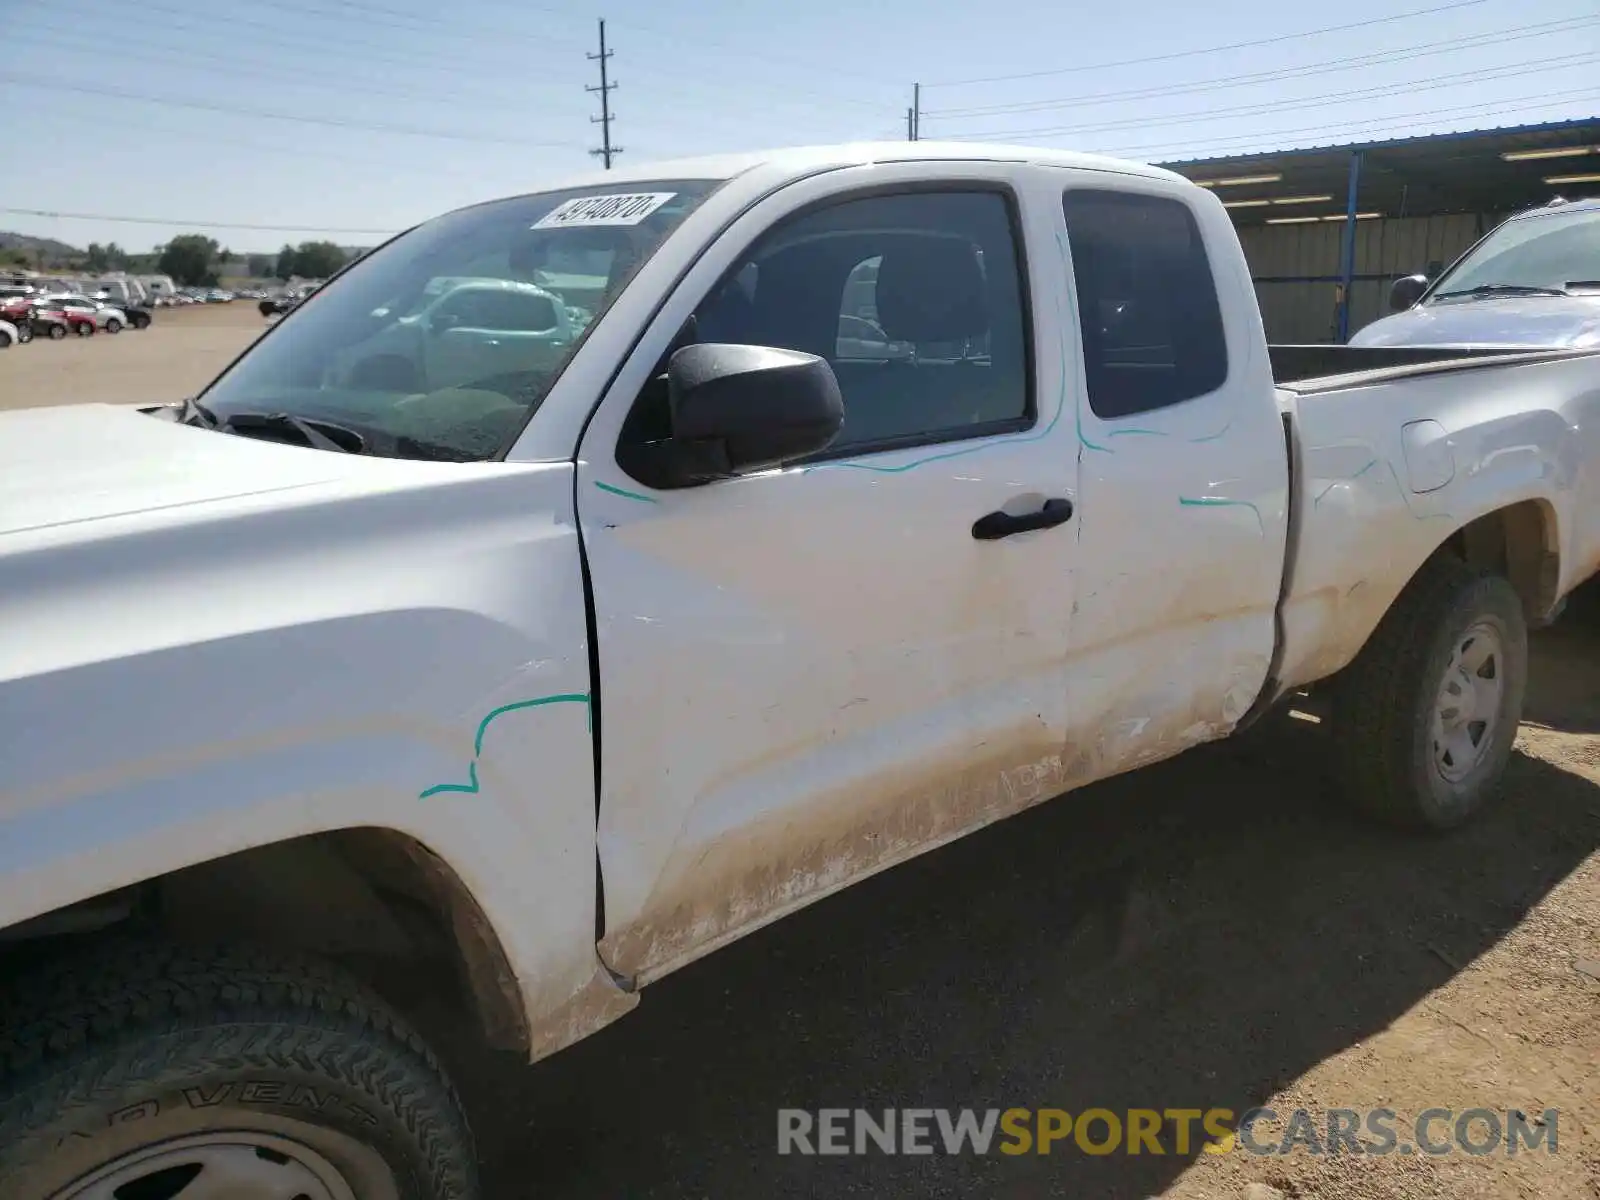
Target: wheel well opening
[[1520, 543], [378, 902]]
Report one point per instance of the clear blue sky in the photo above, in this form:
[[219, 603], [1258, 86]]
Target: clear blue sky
[[502, 84]]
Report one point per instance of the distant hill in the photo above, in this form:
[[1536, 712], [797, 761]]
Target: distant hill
[[52, 250]]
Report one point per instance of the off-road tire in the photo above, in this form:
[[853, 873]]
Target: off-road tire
[[134, 1045], [1383, 702]]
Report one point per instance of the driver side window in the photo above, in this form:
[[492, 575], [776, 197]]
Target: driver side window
[[916, 300]]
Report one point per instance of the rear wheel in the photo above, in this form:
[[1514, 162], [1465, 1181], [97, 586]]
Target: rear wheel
[[5, 340], [149, 1072], [113, 326], [85, 328], [1425, 717], [57, 332]]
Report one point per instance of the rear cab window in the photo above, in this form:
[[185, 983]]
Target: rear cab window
[[1148, 311]]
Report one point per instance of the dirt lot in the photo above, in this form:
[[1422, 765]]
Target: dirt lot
[[181, 351], [1214, 932]]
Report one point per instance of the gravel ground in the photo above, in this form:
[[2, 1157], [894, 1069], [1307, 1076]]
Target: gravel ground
[[1213, 932], [180, 352]]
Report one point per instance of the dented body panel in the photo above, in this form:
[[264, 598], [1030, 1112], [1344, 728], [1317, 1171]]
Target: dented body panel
[[1395, 464], [211, 643], [796, 678]]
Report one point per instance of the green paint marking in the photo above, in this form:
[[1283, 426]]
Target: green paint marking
[[1135, 433], [1211, 437], [1337, 482], [470, 788], [1219, 502], [625, 494]]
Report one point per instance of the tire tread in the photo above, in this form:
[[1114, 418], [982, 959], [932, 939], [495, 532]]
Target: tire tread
[[1374, 697], [83, 1030]]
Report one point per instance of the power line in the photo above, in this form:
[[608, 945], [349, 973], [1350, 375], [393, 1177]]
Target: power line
[[479, 37], [185, 223], [1515, 33], [1508, 71], [209, 65], [240, 110], [606, 150], [458, 67], [419, 62], [695, 41], [1270, 41], [427, 166], [343, 84]]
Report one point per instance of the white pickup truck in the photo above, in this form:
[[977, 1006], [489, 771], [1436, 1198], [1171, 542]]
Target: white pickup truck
[[887, 491]]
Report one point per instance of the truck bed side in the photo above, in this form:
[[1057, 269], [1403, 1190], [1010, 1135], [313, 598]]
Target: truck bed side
[[1393, 463]]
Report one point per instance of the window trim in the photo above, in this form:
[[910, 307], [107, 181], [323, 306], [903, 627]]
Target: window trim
[[1083, 347], [1016, 227]]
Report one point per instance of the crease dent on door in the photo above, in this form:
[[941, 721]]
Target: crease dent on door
[[736, 884], [865, 675]]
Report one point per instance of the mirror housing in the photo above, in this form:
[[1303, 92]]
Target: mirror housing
[[735, 409], [1406, 291]]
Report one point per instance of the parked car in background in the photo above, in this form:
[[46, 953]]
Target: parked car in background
[[24, 313], [1531, 282], [14, 308], [51, 315], [139, 315], [53, 325], [112, 320], [278, 303]]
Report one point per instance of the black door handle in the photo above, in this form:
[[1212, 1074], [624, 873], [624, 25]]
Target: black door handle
[[994, 525]]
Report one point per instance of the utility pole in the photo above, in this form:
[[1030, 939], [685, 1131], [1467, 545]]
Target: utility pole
[[606, 151], [916, 112], [911, 124]]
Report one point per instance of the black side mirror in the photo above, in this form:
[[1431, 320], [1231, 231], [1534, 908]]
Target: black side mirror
[[737, 409], [1405, 292]]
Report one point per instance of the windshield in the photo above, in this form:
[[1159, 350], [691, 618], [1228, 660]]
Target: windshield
[[442, 343], [1546, 252]]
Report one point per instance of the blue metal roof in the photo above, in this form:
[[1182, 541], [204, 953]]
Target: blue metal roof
[[1460, 171]]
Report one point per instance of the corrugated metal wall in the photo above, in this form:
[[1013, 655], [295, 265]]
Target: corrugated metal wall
[[1296, 268]]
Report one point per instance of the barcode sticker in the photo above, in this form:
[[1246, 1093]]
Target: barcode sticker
[[625, 209]]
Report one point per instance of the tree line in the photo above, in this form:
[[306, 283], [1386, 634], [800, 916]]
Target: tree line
[[191, 259], [194, 260]]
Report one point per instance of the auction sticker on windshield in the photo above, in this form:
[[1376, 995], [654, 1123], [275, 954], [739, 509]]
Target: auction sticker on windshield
[[625, 209]]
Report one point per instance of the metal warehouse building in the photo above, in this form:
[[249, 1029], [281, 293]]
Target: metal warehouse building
[[1327, 229]]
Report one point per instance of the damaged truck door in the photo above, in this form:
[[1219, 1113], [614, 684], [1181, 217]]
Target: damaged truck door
[[808, 675], [1185, 477]]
